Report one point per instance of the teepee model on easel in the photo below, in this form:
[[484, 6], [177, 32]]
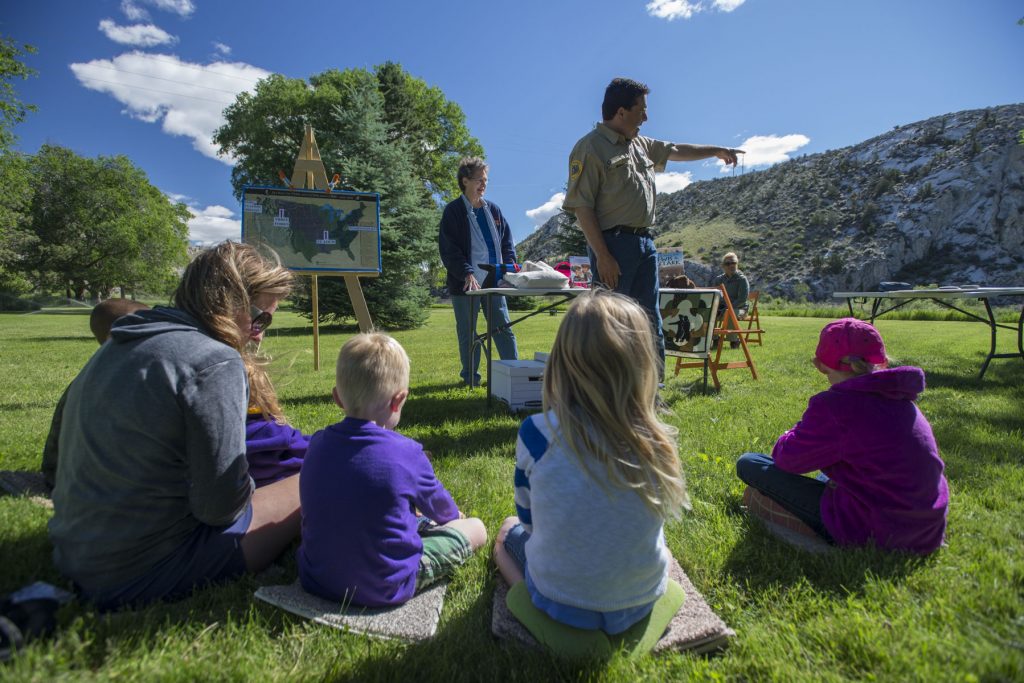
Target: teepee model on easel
[[309, 173]]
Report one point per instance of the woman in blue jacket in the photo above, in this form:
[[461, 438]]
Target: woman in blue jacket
[[473, 232]]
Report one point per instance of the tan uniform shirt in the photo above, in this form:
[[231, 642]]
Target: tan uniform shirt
[[615, 177]]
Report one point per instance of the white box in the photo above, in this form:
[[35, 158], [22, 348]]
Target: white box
[[518, 383]]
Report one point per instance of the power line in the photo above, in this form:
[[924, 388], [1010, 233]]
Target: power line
[[160, 78], [186, 65], [162, 92]]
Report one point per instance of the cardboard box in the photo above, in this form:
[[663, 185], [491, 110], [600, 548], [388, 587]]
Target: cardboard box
[[518, 383]]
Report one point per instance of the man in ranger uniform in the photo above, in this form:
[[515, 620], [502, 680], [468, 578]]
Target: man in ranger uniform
[[611, 191]]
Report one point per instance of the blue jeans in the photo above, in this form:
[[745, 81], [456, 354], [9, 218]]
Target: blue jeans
[[798, 494], [466, 308], [638, 278]]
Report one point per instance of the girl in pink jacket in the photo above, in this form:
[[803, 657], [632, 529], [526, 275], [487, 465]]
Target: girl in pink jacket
[[881, 475]]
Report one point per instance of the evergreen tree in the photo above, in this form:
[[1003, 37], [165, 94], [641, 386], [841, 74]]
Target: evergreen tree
[[569, 238], [382, 131], [408, 220]]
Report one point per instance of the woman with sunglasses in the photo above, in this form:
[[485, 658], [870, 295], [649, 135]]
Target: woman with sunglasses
[[153, 495], [738, 288]]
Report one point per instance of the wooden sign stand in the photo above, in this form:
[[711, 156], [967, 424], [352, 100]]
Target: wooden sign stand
[[309, 173]]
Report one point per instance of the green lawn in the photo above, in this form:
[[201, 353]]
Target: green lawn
[[848, 615]]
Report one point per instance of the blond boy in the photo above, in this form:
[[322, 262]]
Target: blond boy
[[362, 485]]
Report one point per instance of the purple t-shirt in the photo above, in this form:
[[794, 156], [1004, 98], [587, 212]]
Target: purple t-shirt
[[876, 446], [360, 487]]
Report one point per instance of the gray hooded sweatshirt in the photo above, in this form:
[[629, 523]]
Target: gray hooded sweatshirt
[[152, 445]]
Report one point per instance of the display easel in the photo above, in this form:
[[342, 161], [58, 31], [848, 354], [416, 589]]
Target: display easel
[[309, 173]]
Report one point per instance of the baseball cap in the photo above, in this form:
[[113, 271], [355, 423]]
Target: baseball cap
[[849, 337]]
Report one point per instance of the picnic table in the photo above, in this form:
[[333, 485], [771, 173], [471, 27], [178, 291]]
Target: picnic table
[[884, 302]]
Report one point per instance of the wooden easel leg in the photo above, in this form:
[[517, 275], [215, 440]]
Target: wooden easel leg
[[750, 360], [355, 293], [316, 324]]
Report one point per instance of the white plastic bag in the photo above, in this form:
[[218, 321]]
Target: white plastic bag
[[537, 275]]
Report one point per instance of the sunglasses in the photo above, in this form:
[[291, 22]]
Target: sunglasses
[[730, 263], [260, 319]]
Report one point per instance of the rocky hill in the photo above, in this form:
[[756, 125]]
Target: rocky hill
[[939, 201]]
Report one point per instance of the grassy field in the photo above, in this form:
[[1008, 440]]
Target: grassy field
[[847, 615]]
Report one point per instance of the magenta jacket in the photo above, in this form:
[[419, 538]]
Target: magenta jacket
[[876, 446]]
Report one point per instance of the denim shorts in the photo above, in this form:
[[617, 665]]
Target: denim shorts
[[612, 622], [209, 555]]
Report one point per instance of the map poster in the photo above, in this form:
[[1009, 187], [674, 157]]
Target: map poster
[[314, 230]]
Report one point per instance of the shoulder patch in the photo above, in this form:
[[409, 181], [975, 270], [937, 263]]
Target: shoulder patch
[[575, 169]]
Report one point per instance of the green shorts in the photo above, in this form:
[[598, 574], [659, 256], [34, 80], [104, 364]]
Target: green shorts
[[444, 549]]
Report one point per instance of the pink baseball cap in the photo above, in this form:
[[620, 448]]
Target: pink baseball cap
[[849, 337]]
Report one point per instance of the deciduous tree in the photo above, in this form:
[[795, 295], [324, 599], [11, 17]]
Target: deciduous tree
[[15, 189], [95, 224]]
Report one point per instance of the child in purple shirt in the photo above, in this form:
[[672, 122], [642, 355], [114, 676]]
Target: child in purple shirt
[[273, 447], [362, 485], [882, 478]]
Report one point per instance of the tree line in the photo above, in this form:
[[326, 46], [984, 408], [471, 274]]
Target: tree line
[[81, 226], [74, 225]]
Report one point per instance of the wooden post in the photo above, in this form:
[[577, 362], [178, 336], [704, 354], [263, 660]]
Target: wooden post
[[316, 324], [309, 173]]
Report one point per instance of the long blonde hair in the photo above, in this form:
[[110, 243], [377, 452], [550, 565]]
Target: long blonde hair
[[601, 382], [216, 286], [262, 395], [222, 281]]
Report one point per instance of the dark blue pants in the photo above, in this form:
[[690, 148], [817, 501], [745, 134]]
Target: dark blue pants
[[798, 494], [638, 278]]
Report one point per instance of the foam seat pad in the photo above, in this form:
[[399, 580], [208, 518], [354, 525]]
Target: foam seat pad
[[574, 643], [809, 544], [692, 626], [414, 621], [564, 640]]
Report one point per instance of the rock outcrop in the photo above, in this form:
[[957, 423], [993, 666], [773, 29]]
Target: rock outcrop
[[939, 201]]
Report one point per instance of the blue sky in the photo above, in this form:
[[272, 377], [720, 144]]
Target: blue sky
[[149, 78]]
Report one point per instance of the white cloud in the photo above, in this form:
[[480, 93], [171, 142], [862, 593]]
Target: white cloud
[[684, 9], [189, 99], [140, 35], [542, 213], [221, 48], [134, 10], [672, 181], [765, 150], [213, 224], [673, 9]]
